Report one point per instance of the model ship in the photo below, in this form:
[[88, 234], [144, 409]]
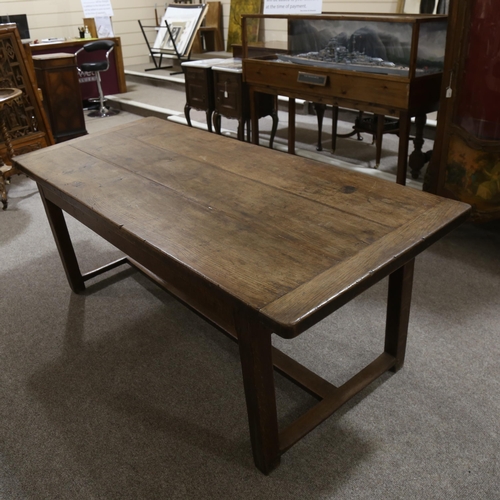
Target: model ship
[[365, 50]]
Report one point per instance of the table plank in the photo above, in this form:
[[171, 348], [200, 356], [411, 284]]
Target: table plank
[[284, 235]]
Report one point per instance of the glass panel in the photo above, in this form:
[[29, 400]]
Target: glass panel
[[354, 45], [431, 47]]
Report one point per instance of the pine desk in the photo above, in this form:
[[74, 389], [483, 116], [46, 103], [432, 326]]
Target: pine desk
[[255, 241]]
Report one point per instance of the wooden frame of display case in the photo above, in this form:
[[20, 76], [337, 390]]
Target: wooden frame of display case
[[403, 97]]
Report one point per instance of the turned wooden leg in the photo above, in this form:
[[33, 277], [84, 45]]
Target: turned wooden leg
[[335, 120], [378, 139], [3, 190], [320, 113], [254, 117], [418, 158], [398, 312], [187, 110], [216, 119], [404, 137], [291, 125], [274, 116], [208, 114], [258, 380], [241, 129]]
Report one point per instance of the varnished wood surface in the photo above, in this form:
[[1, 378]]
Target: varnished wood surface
[[286, 236]]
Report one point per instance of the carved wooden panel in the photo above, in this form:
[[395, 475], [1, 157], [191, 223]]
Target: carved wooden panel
[[25, 119]]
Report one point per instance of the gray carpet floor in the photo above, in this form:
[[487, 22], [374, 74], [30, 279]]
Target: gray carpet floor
[[123, 393]]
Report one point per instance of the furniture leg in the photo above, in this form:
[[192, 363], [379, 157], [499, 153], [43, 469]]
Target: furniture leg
[[320, 113], [335, 119], [254, 117], [404, 137], [216, 119], [398, 312], [209, 119], [291, 125], [258, 380], [274, 116], [418, 158], [64, 245], [241, 129], [3, 190], [378, 139], [187, 110], [247, 124]]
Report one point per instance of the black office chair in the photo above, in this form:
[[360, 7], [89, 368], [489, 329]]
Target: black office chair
[[97, 67]]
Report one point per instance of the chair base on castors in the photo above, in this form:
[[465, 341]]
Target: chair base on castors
[[103, 112]]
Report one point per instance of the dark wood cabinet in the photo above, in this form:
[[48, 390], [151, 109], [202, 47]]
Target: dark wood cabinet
[[199, 89], [216, 86], [465, 163], [232, 100], [57, 78]]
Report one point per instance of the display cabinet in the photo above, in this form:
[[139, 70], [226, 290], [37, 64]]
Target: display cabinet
[[465, 163], [385, 64]]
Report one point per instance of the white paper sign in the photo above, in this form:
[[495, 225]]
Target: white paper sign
[[291, 7], [97, 8], [103, 27]]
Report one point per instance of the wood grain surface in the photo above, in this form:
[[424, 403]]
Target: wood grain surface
[[289, 237]]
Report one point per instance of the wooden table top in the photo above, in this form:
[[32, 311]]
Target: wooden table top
[[287, 236]]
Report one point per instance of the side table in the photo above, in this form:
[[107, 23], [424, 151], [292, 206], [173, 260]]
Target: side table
[[232, 99], [200, 88]]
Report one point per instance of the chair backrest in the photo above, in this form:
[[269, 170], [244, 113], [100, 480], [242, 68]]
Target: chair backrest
[[99, 45]]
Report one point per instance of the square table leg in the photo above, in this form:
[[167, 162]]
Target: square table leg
[[398, 312], [258, 379], [64, 245]]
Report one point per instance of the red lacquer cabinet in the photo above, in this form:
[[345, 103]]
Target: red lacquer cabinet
[[466, 160]]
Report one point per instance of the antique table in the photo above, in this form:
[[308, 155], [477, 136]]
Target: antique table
[[255, 245]]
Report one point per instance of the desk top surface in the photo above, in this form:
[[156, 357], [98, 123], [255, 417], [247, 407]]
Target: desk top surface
[[281, 234]]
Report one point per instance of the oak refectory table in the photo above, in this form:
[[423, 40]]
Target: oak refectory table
[[256, 241]]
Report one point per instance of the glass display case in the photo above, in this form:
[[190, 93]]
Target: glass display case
[[387, 64]]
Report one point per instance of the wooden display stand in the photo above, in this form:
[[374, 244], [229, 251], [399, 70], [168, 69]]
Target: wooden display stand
[[393, 95]]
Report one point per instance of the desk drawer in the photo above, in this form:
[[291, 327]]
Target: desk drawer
[[348, 86]]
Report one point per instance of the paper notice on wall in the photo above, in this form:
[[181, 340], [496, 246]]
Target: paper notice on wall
[[103, 27], [291, 7], [97, 8]]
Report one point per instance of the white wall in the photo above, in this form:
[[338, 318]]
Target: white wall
[[61, 18]]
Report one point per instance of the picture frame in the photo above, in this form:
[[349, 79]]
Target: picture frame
[[183, 22]]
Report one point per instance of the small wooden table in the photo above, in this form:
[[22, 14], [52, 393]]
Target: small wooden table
[[253, 246]]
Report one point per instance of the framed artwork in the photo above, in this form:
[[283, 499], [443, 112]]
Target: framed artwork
[[237, 8], [183, 23]]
